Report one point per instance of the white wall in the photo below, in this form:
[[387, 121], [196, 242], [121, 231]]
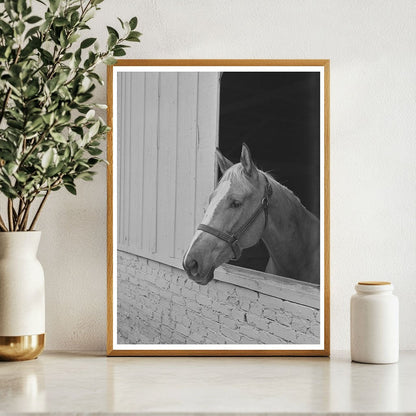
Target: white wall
[[371, 45]]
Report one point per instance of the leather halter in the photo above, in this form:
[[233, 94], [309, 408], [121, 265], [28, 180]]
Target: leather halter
[[232, 239]]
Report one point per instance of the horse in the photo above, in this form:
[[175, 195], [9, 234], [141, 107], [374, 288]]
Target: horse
[[248, 205]]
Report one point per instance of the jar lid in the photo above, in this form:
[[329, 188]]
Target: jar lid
[[373, 287]]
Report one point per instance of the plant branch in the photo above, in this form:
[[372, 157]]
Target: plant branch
[[26, 216], [32, 149], [2, 224], [10, 213], [35, 218]]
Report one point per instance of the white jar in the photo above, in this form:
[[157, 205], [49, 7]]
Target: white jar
[[374, 323]]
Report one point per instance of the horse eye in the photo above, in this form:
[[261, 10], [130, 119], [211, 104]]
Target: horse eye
[[235, 204]]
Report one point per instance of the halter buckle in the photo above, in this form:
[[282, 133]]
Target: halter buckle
[[236, 249]]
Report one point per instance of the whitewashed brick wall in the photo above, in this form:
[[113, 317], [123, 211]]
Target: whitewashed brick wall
[[157, 303]]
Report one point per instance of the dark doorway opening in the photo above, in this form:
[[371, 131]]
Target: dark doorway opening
[[278, 115]]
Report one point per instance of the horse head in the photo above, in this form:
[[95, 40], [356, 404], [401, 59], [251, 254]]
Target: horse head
[[234, 219]]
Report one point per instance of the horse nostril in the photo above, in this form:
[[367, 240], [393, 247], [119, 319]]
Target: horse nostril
[[192, 267]]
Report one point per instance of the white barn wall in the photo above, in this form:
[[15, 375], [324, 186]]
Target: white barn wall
[[373, 126], [167, 169]]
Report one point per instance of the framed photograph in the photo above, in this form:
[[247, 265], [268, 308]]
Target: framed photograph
[[218, 207]]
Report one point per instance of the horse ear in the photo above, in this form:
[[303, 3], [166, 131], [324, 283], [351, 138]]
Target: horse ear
[[223, 162], [246, 160]]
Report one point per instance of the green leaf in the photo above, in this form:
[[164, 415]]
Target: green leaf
[[110, 60], [73, 38], [47, 158], [111, 30], [119, 51], [21, 176], [94, 129], [58, 137], [94, 151], [20, 28], [70, 188], [10, 168], [33, 19], [133, 37], [32, 31], [5, 27], [74, 18], [90, 114], [53, 5], [61, 21], [87, 42], [112, 40], [21, 5], [86, 176], [133, 23]]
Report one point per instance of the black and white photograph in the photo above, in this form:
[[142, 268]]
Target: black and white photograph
[[220, 208]]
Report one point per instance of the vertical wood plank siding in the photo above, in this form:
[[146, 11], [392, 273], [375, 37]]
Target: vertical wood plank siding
[[167, 134]]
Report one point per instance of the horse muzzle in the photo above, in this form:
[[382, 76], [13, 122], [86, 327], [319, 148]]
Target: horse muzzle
[[194, 271]]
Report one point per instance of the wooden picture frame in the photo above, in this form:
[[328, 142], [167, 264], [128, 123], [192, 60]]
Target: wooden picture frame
[[229, 276]]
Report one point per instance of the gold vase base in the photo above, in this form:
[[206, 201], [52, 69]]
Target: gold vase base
[[21, 348]]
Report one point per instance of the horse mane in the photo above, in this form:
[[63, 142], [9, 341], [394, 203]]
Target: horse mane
[[236, 172]]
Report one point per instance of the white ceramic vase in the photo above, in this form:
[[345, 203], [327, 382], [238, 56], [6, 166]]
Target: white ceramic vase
[[22, 296]]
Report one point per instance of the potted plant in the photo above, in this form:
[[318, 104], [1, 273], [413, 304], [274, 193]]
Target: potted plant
[[50, 137]]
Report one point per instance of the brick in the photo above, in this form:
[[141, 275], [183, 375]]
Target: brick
[[162, 283], [178, 300], [270, 301], [197, 337], [209, 313], [208, 323], [247, 340], [203, 290], [190, 294], [179, 338], [219, 307], [307, 339], [183, 329], [189, 284], [249, 331], [229, 323], [256, 308], [267, 338], [238, 315], [230, 333], [283, 318], [191, 304], [299, 310], [301, 325], [203, 300], [282, 331], [178, 311], [214, 337], [245, 304], [212, 290], [242, 292], [175, 288], [186, 321], [270, 314], [225, 291], [315, 329], [257, 321], [182, 279]]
